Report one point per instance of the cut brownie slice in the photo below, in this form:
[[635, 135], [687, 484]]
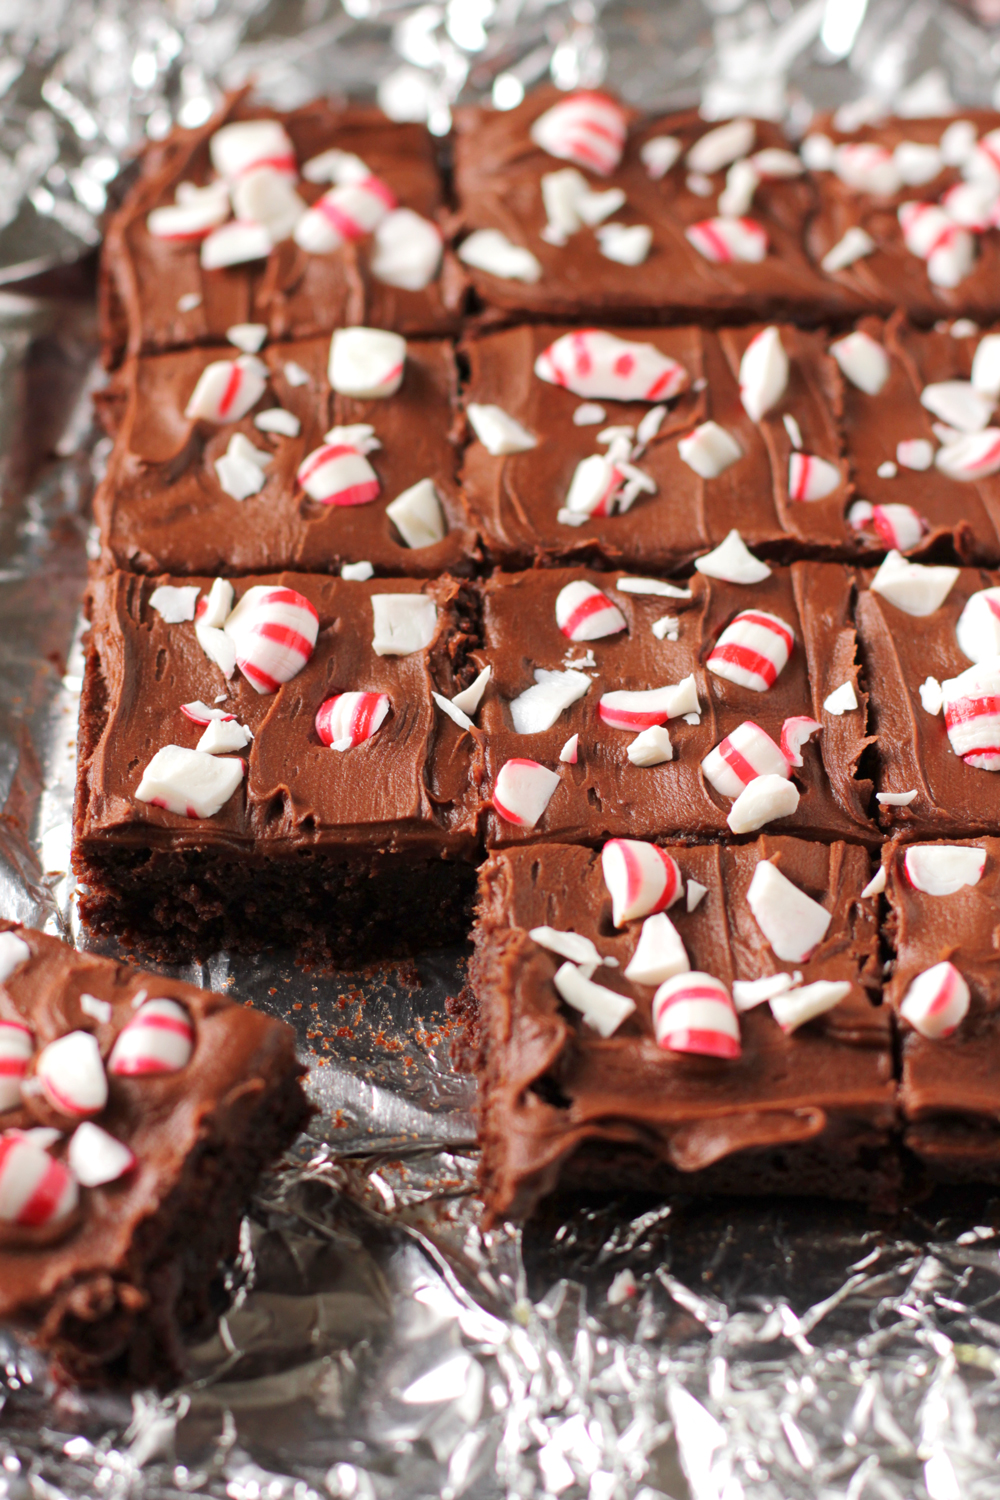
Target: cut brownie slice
[[156, 294], [805, 1111], [136, 1114], [169, 504], [501, 176], [943, 912], [343, 845], [664, 635]]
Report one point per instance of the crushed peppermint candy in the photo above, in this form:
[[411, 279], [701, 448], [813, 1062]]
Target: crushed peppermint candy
[[694, 1013], [277, 419], [862, 360], [764, 799], [811, 478], [36, 1190], [595, 364], [523, 791], [158, 1039], [406, 250], [943, 869], [793, 923], [696, 892], [896, 799], [338, 473], [584, 613], [348, 719], [652, 747], [455, 714], [16, 1048], [498, 432], [641, 879], [936, 1002], [570, 752], [749, 993], [192, 220], [274, 631], [96, 1158], [572, 945], [972, 714], [931, 695], [724, 240], [978, 628], [721, 146], [854, 245], [71, 1074], [793, 429], [985, 375], [366, 363], [241, 468], [227, 389], [358, 572], [877, 884], [348, 212], [709, 450], [469, 699], [636, 711], [659, 154], [404, 623], [842, 700], [418, 515], [627, 244], [796, 732], [588, 414], [915, 588], [174, 604], [659, 953], [656, 586], [200, 713], [294, 373], [741, 757], [763, 377], [249, 337], [234, 244], [189, 782], [752, 650], [490, 250], [601, 1008], [211, 614], [974, 456], [793, 1008], [224, 737], [538, 707], [733, 562], [959, 404], [587, 128], [250, 145]]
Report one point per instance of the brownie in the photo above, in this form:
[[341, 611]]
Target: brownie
[[561, 1106], [107, 1288], [498, 177], [148, 285], [341, 854], [604, 794], [162, 507]]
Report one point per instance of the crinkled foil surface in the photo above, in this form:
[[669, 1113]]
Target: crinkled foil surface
[[377, 1343]]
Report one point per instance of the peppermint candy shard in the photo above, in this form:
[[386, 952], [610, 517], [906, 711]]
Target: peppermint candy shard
[[366, 363], [752, 651], [277, 419], [406, 251], [241, 468], [722, 145], [794, 734], [626, 244], [14, 952], [694, 1013], [971, 204], [842, 700], [358, 572], [986, 366], [335, 165], [268, 198], [97, 1158], [601, 1008], [794, 1008], [158, 1039], [652, 747], [584, 613], [898, 526], [249, 145], [455, 714], [498, 432], [972, 714], [404, 623], [192, 217], [855, 244], [811, 478], [749, 993], [862, 360], [100, 1010], [71, 1074], [641, 879], [348, 719], [914, 588], [348, 212], [659, 154], [877, 884], [793, 923], [958, 403], [16, 1048], [274, 631], [225, 391], [418, 516], [896, 799], [741, 757], [917, 162], [587, 129], [589, 414], [766, 798], [523, 791], [539, 707], [211, 614], [35, 1189], [173, 604], [469, 699], [943, 869], [224, 737], [189, 782], [709, 450], [916, 454], [937, 1002], [200, 713], [636, 711], [725, 240], [978, 628], [974, 456], [234, 244], [742, 182], [491, 251], [570, 752], [733, 562], [659, 953], [249, 337], [655, 586], [572, 945], [695, 893], [600, 366], [763, 377]]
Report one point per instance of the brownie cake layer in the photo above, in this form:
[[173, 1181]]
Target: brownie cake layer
[[107, 1288]]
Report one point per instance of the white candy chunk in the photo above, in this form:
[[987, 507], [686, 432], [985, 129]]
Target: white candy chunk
[[752, 650], [335, 166], [585, 128], [247, 336], [274, 631], [404, 623], [269, 198], [601, 1008], [247, 145], [694, 1013], [358, 572], [695, 892], [212, 639], [651, 748], [584, 613], [460, 718], [95, 1157], [931, 695], [469, 699], [986, 366], [917, 162], [366, 362], [659, 953], [887, 470], [588, 414], [974, 456], [978, 628], [914, 588], [14, 952], [406, 250], [793, 429], [490, 250], [916, 454], [601, 366], [818, 153], [863, 361], [538, 707], [763, 373], [649, 426], [855, 244], [189, 782], [651, 586], [699, 184], [636, 711], [943, 869], [795, 732], [957, 143], [963, 328], [572, 945], [523, 791], [794, 1008], [659, 154], [742, 181], [749, 993], [733, 562], [418, 516], [71, 1073], [226, 390], [958, 403], [811, 478], [277, 419], [721, 146], [594, 488], [876, 885], [971, 204], [594, 208], [570, 752], [498, 432], [709, 450], [842, 700], [623, 1286], [561, 195], [868, 168], [294, 373], [174, 604], [35, 1189], [641, 879], [763, 800], [937, 1001], [793, 923], [99, 1009], [972, 714], [667, 627], [234, 244], [189, 302], [628, 244], [773, 164], [218, 604], [192, 217], [241, 468], [896, 799], [224, 737]]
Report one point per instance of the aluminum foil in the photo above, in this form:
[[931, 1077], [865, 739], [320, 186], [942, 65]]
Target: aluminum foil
[[376, 1344]]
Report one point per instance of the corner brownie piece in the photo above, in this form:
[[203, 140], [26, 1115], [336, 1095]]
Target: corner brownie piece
[[499, 171], [603, 794], [113, 1222], [562, 1106], [156, 295], [341, 853], [162, 507]]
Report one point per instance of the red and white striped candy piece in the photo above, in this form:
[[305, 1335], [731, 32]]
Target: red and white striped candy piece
[[763, 373], [595, 484], [407, 250], [978, 628], [274, 631], [234, 244], [971, 204], [97, 1158], [695, 1013], [725, 240], [367, 363], [71, 1074], [191, 783], [744, 755], [943, 869], [811, 478], [16, 1047], [348, 719], [972, 714], [636, 711], [794, 734], [158, 1039], [601, 366], [973, 456], [587, 129], [641, 879], [344, 214], [523, 791], [249, 145], [226, 390], [949, 250], [583, 613], [189, 221], [937, 1001], [35, 1189], [862, 360], [983, 162], [200, 713], [868, 168], [337, 474], [752, 650], [899, 526]]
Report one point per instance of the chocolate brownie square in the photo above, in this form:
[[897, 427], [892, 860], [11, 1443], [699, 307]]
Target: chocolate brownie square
[[810, 1110], [136, 1114]]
